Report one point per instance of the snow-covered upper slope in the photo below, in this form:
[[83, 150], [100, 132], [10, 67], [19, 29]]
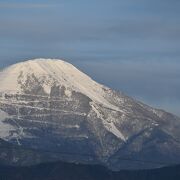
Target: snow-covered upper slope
[[61, 72]]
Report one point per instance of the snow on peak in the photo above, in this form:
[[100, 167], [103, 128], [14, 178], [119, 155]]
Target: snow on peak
[[59, 71]]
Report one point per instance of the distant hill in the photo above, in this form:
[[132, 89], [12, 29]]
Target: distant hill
[[70, 171]]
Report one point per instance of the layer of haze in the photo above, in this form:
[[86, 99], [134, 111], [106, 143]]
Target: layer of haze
[[129, 45]]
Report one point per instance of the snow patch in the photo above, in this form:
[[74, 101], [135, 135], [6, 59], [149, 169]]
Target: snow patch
[[5, 128], [112, 128], [68, 93], [108, 124]]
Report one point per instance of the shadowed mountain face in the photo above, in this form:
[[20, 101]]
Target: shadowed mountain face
[[70, 171], [51, 111]]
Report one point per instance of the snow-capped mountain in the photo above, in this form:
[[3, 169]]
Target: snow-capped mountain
[[49, 111]]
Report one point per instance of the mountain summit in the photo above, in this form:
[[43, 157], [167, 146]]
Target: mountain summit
[[48, 73], [49, 111]]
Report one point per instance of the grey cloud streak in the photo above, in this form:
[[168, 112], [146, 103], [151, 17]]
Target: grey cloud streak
[[25, 5]]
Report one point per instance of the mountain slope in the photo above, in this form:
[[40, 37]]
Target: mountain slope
[[50, 106]]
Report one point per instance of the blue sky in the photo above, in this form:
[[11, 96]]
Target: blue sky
[[129, 45]]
